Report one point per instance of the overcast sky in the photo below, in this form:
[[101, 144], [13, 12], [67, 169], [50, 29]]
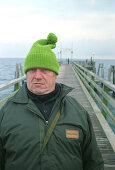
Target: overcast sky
[[86, 26]]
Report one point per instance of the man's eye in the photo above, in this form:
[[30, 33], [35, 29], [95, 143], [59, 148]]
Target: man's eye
[[32, 70], [45, 70]]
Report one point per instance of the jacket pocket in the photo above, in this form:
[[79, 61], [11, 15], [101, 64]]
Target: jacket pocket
[[66, 147]]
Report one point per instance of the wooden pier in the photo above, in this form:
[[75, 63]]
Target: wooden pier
[[101, 128]]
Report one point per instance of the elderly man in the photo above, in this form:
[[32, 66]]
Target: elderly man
[[41, 127]]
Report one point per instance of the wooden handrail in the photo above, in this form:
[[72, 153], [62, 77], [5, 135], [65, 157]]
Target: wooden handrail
[[12, 82], [88, 78], [105, 82]]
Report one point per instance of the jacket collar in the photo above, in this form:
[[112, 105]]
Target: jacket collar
[[22, 97], [65, 89]]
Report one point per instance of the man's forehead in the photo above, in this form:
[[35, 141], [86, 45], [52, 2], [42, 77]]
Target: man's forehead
[[41, 69]]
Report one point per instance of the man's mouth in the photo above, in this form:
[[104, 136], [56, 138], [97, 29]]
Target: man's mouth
[[39, 83]]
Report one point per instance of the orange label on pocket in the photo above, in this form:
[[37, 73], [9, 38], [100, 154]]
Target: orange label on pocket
[[73, 134]]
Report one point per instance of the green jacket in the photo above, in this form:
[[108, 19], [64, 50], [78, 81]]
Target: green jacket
[[72, 145]]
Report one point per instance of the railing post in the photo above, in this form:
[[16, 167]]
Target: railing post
[[22, 72], [105, 88], [98, 69], [94, 68], [92, 78], [102, 70], [109, 74], [113, 70], [17, 85]]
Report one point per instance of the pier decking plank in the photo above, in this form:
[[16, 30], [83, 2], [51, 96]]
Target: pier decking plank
[[68, 77]]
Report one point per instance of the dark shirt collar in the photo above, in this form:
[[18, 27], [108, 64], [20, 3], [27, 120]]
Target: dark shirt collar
[[46, 97]]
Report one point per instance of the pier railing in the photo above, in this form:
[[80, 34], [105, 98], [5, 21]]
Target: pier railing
[[102, 90], [16, 83], [9, 84]]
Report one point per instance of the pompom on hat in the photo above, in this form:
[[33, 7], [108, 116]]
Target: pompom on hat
[[41, 55]]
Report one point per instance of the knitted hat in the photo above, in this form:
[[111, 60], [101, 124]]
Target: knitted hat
[[41, 55]]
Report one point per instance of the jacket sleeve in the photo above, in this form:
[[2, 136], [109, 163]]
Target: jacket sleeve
[[92, 158], [1, 156], [1, 145]]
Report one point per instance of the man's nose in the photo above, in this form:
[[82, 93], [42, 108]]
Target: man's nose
[[38, 74]]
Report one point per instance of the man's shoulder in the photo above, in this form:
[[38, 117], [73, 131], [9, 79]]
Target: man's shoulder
[[73, 102], [74, 106], [3, 109], [11, 100], [6, 104], [75, 112]]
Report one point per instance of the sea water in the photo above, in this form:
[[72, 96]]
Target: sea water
[[7, 73]]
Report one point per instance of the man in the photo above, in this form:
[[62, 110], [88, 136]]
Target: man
[[41, 127]]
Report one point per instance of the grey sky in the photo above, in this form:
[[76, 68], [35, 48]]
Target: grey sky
[[86, 26]]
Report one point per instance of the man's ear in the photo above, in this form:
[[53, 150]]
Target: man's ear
[[56, 76]]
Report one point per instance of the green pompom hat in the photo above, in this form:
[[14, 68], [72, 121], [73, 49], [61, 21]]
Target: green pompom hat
[[41, 56]]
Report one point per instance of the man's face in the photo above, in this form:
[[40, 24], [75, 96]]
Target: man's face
[[41, 81]]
